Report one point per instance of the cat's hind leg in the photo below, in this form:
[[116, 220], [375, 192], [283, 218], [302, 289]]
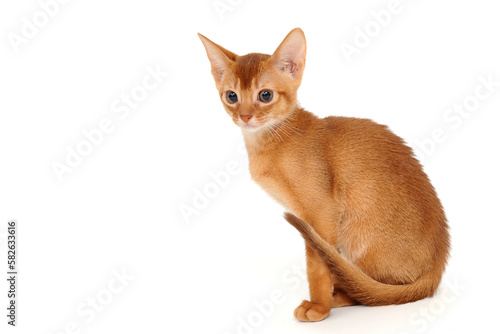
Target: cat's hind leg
[[341, 299]]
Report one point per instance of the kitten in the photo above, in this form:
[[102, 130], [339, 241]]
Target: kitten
[[375, 230]]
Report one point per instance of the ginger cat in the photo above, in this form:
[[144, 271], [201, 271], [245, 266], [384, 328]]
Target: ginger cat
[[375, 230]]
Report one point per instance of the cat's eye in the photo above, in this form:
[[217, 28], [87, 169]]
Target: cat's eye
[[266, 95], [231, 97]]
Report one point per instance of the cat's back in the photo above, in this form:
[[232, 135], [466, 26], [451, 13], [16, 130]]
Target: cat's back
[[358, 130], [370, 162], [367, 142]]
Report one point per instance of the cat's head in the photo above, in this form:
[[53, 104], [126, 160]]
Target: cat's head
[[259, 90]]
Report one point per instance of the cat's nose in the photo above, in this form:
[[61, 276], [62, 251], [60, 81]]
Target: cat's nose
[[245, 118]]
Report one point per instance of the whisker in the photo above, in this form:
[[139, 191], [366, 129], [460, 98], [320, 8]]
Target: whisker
[[276, 132], [285, 131], [287, 123], [270, 132], [285, 128]]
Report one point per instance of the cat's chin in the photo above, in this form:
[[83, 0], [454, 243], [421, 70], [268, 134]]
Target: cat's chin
[[250, 127]]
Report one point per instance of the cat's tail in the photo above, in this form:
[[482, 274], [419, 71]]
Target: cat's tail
[[357, 284]]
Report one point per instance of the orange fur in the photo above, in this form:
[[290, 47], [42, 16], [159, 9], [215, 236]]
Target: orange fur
[[375, 230]]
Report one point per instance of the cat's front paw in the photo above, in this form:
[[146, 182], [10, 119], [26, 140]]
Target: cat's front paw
[[308, 311]]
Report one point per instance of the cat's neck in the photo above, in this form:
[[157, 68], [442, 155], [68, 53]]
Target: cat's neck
[[275, 136]]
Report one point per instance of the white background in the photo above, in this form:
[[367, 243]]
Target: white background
[[119, 209]]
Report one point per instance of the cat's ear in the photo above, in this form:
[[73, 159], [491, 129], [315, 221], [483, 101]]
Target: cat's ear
[[290, 56], [220, 58]]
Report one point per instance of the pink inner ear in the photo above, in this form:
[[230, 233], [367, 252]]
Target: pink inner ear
[[290, 55], [291, 67]]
